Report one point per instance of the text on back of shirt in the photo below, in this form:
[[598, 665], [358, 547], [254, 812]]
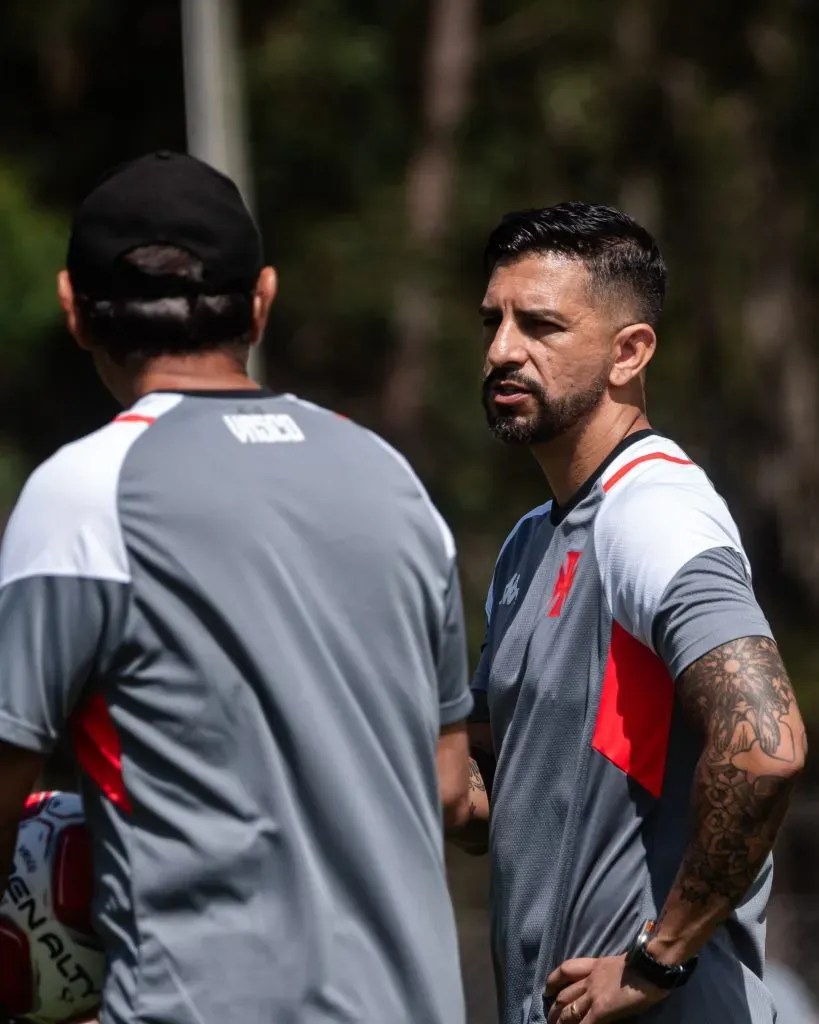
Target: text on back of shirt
[[269, 428]]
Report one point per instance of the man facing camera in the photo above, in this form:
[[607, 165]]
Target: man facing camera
[[635, 722]]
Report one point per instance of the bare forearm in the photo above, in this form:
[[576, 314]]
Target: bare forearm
[[736, 819], [473, 836], [754, 751]]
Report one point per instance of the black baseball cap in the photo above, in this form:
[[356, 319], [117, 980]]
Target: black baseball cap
[[163, 199]]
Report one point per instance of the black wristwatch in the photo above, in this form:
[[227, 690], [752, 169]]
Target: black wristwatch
[[666, 976]]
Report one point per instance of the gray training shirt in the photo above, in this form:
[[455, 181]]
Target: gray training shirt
[[594, 611], [246, 611]]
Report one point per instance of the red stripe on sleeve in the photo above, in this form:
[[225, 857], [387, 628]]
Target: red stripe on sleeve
[[634, 717], [133, 417], [98, 750], [35, 803], [615, 478]]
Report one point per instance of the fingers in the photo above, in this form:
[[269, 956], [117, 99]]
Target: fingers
[[572, 995], [569, 972], [575, 1012]]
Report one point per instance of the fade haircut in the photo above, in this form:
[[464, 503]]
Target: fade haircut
[[621, 257], [172, 315]]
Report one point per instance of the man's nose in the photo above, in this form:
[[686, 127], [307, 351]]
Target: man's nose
[[507, 347]]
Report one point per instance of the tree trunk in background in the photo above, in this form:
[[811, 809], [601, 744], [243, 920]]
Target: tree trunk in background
[[449, 62], [780, 334], [635, 46]]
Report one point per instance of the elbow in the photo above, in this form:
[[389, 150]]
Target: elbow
[[803, 752], [782, 774], [793, 767]]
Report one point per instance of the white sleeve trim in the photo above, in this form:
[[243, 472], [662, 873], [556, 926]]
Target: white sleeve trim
[[66, 522], [652, 523]]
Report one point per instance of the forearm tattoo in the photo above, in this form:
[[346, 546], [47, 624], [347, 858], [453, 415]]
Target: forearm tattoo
[[740, 696], [476, 784]]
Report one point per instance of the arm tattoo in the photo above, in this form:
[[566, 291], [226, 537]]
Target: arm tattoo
[[475, 785], [740, 697]]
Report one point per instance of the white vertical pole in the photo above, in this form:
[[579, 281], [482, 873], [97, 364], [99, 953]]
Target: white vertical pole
[[213, 101]]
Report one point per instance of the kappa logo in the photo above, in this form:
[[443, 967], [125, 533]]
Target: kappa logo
[[565, 578], [511, 591], [270, 428]]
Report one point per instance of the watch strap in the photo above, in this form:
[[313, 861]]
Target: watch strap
[[664, 976]]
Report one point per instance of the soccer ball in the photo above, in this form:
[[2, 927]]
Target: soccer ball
[[51, 964]]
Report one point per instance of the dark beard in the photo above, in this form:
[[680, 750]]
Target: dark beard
[[554, 417]]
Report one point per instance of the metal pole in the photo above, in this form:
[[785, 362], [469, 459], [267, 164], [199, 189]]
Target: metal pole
[[213, 101]]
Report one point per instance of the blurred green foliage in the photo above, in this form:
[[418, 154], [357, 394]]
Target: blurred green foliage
[[32, 243]]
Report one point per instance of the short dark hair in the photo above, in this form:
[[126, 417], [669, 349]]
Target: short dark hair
[[173, 314], [617, 251]]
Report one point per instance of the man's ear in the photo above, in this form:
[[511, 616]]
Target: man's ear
[[65, 293], [633, 350], [266, 288]]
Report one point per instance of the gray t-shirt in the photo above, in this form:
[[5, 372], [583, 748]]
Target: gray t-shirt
[[795, 1003], [595, 609], [246, 611]]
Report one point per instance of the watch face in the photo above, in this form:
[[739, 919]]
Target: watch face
[[640, 940]]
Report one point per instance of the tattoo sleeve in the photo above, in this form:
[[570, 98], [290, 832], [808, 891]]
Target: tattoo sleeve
[[740, 698]]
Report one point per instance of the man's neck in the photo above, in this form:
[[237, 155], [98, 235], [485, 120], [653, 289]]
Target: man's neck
[[215, 371], [570, 460]]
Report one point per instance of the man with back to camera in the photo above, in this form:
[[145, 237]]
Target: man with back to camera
[[246, 610], [634, 721]]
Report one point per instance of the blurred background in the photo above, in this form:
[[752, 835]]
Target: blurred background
[[379, 142]]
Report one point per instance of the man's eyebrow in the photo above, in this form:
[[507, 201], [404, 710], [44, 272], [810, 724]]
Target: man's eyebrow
[[542, 311]]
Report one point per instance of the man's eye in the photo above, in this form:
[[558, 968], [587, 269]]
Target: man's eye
[[540, 325], [491, 321]]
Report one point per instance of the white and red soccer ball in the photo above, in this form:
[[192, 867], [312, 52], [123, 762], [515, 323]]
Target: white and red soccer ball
[[51, 964]]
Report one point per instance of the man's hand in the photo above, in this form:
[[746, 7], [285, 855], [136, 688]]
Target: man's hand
[[596, 991]]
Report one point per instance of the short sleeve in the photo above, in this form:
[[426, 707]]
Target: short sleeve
[[453, 672], [708, 603], [673, 569], [52, 630], [63, 586]]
